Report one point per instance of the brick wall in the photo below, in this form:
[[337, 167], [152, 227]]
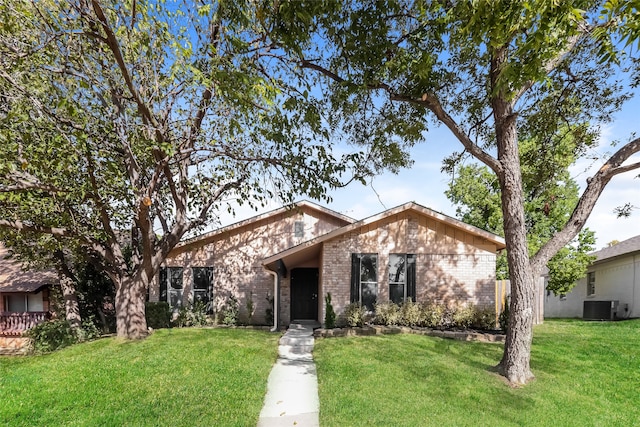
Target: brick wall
[[452, 267], [236, 257]]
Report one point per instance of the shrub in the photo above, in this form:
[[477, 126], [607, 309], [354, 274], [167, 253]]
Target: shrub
[[388, 314], [463, 316], [51, 336], [158, 314], [354, 314], [329, 314], [250, 306], [230, 311], [484, 319], [503, 318], [268, 312], [89, 330], [434, 315], [411, 314], [192, 316]]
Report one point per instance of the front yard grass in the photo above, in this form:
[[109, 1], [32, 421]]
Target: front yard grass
[[587, 373], [176, 377]]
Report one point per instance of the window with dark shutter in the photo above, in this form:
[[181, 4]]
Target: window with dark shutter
[[163, 284], [364, 279]]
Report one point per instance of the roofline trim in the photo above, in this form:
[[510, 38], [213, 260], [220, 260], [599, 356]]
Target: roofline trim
[[499, 241]]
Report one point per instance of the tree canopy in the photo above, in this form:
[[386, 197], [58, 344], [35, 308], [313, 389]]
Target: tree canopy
[[499, 75], [550, 195], [135, 123]]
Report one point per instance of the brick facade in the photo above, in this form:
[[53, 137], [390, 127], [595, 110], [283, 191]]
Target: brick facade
[[236, 253], [455, 263], [452, 266]]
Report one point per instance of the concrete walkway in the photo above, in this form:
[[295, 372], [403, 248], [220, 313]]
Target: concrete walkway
[[292, 390]]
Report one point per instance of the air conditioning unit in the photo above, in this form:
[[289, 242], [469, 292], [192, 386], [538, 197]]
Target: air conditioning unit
[[600, 310]]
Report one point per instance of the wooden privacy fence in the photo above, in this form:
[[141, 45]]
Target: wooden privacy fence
[[503, 291]]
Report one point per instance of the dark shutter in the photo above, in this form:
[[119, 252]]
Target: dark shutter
[[355, 277], [411, 277], [163, 284]]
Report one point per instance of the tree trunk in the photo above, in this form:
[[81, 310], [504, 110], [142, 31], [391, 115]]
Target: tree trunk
[[130, 309], [71, 307], [515, 363]]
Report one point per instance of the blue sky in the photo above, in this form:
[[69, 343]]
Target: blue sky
[[423, 183]]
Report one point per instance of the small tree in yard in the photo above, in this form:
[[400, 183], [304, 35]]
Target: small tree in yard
[[136, 123], [496, 74]]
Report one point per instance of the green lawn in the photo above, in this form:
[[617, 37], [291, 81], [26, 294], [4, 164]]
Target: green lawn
[[588, 374], [176, 377]]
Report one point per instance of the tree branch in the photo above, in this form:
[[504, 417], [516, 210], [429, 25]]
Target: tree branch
[[428, 101], [595, 186], [26, 182]]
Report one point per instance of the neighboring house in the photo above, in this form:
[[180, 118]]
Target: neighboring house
[[24, 299], [611, 288], [300, 254]]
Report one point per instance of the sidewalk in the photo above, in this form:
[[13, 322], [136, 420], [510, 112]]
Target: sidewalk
[[292, 389]]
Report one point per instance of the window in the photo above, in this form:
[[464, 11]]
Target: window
[[171, 286], [15, 303], [298, 228], [364, 279], [402, 277], [591, 283], [202, 284]]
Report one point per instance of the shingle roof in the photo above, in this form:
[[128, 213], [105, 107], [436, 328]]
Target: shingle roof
[[13, 278], [622, 248]]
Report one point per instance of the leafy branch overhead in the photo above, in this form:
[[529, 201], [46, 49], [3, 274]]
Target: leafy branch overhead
[[523, 86], [135, 123]]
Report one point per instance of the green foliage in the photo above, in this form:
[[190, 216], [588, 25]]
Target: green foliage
[[570, 264], [89, 329], [435, 315], [354, 315], [411, 313], [158, 314], [463, 316], [551, 193], [195, 316], [268, 312], [230, 311], [57, 334], [250, 306], [484, 319], [387, 313], [159, 114], [329, 313], [503, 317], [51, 336]]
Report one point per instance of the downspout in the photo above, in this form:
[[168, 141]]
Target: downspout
[[276, 300]]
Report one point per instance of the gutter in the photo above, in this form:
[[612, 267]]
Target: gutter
[[276, 300]]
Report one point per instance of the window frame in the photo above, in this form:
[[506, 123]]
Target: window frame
[[591, 283], [208, 291], [408, 280], [167, 290], [357, 282]]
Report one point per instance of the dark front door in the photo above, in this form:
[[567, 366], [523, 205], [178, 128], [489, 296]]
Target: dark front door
[[304, 293]]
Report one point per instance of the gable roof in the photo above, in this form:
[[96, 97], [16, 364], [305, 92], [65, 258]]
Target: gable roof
[[623, 248], [312, 247], [13, 278], [301, 205]]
